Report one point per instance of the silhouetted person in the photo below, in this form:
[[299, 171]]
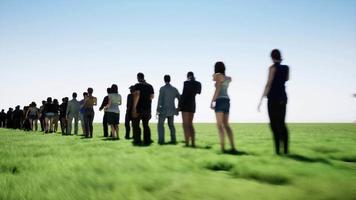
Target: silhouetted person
[[166, 109], [62, 115], [141, 110], [128, 117], [221, 104], [187, 106], [89, 104], [105, 117], [49, 114], [81, 112], [277, 100], [25, 120], [17, 117], [72, 112], [2, 119], [113, 112], [32, 115], [55, 107], [42, 116], [9, 118]]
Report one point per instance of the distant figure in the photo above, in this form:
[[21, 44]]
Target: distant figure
[[32, 114], [141, 110], [62, 115], [105, 117], [113, 111], [25, 122], [187, 106], [166, 109], [17, 117], [49, 113], [72, 112], [2, 119], [277, 100], [55, 108], [221, 104], [9, 118], [89, 104], [42, 116], [81, 112], [128, 117]]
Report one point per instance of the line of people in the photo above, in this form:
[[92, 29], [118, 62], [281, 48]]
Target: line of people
[[139, 109]]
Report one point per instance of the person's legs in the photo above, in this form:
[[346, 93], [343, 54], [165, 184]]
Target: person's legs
[[146, 116], [160, 128], [282, 127], [105, 124], [91, 119], [76, 119], [127, 125], [136, 131], [191, 129], [62, 124], [172, 129], [36, 122], [86, 118], [229, 132], [31, 124], [273, 116], [220, 124], [112, 129], [69, 124], [185, 120]]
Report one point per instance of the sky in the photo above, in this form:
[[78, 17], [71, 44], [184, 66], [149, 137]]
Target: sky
[[54, 48]]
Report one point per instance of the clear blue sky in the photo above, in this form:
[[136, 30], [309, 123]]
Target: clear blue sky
[[52, 48]]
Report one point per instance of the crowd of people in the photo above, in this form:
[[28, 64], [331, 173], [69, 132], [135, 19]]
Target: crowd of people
[[139, 109]]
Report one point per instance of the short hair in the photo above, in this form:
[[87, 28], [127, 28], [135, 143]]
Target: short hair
[[108, 90], [85, 94], [140, 75], [55, 101], [219, 67], [43, 102], [114, 88], [90, 90], [276, 55], [190, 75], [63, 99], [74, 95], [167, 78], [33, 104], [131, 88], [49, 100]]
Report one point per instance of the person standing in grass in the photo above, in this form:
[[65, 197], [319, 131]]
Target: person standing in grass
[[113, 111], [32, 115], [166, 109], [277, 100], [221, 104], [62, 115], [2, 118], [81, 112], [17, 117], [128, 117], [49, 113], [42, 116], [187, 106], [141, 110], [72, 112], [89, 104], [55, 109], [105, 117]]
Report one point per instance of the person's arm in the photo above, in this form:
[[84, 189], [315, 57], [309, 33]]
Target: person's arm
[[95, 101], [271, 73], [120, 100], [108, 104], [135, 97], [68, 108], [104, 103], [160, 101], [219, 79]]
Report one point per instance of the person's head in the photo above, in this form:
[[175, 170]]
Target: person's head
[[219, 67], [190, 76], [131, 88], [2, 110], [140, 77], [90, 91], [17, 107], [49, 100], [74, 95], [33, 104], [55, 101], [63, 99], [276, 56], [43, 102], [85, 94], [167, 78], [108, 90], [11, 109], [66, 99], [114, 89]]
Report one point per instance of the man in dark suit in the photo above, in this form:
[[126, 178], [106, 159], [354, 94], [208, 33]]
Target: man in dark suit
[[143, 94]]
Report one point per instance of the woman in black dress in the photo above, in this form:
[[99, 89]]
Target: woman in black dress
[[277, 100], [187, 106]]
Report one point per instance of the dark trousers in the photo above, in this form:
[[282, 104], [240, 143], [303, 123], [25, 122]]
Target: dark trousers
[[128, 118], [2, 123], [42, 122], [88, 122], [277, 114], [145, 117], [160, 128], [105, 124], [63, 122]]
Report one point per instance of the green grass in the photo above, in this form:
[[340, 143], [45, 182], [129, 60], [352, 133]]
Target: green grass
[[322, 166]]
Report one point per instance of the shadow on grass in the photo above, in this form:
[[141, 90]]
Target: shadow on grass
[[302, 158], [110, 139], [9, 169], [345, 158], [235, 153]]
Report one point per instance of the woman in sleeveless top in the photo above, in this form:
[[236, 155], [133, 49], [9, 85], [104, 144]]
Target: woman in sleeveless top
[[187, 106], [277, 100], [113, 111], [32, 114], [89, 102], [221, 104]]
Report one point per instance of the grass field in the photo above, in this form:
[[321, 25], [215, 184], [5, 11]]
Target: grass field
[[322, 166]]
